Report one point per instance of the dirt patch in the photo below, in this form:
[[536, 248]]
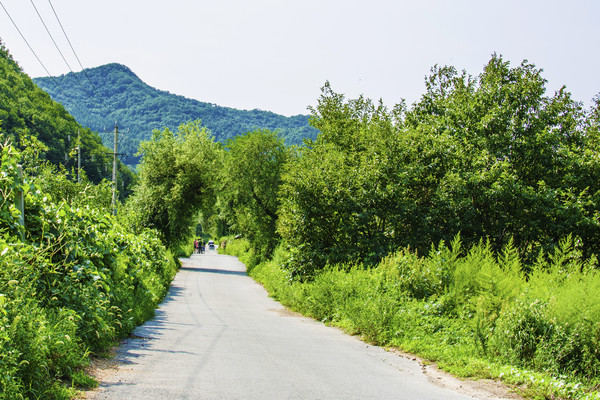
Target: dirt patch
[[483, 389], [101, 369]]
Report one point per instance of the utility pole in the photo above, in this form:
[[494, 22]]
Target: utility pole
[[114, 172], [78, 157], [20, 199]]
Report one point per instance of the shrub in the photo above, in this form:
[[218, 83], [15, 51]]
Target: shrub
[[71, 282]]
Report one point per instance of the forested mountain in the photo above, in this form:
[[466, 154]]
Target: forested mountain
[[31, 120], [98, 97]]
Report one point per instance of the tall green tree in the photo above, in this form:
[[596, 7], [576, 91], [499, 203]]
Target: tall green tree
[[337, 198], [497, 158], [177, 178], [252, 176], [488, 157]]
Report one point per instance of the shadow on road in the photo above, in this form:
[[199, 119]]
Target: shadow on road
[[214, 271]]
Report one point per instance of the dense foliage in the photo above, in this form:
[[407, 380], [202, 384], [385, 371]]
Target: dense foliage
[[29, 115], [177, 178], [119, 95], [507, 174], [504, 161], [72, 279], [487, 157], [250, 181]]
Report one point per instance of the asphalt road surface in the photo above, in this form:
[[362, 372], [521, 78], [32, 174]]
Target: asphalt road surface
[[218, 335]]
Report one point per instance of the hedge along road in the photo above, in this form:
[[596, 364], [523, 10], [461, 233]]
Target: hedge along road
[[218, 335]]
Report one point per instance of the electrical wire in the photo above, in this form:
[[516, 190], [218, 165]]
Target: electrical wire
[[63, 57], [26, 42], [54, 80], [74, 52], [33, 51], [54, 41]]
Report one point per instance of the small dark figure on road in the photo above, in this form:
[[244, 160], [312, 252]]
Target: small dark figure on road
[[195, 246]]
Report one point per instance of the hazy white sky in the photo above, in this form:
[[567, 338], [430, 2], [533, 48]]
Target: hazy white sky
[[276, 54]]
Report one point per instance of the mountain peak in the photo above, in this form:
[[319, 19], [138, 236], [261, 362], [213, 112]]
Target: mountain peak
[[110, 72], [118, 94], [113, 67]]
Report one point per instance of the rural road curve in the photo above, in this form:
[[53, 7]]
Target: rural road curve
[[218, 335]]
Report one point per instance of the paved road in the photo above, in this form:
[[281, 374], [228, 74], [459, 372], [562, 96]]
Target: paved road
[[219, 336]]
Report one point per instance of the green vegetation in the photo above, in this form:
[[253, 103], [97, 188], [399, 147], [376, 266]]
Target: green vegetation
[[488, 157], [119, 95], [250, 180], [74, 278], [29, 118], [176, 182], [507, 175], [464, 229]]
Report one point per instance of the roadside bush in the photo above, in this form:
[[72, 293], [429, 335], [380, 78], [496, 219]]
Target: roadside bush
[[241, 248], [10, 385], [72, 281], [275, 279], [555, 323], [422, 277]]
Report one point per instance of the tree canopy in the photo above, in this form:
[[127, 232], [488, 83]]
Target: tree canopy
[[176, 181], [488, 157], [250, 185]]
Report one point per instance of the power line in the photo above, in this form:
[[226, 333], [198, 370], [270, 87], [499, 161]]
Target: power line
[[26, 42], [56, 83], [54, 80], [33, 51], [63, 57], [54, 41], [74, 52]]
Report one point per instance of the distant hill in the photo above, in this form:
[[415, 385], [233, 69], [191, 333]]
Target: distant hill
[[117, 94], [28, 113]]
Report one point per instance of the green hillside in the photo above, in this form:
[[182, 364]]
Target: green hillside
[[28, 114], [117, 94]]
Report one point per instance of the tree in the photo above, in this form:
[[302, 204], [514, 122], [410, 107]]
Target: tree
[[502, 159], [336, 197], [252, 177], [176, 181], [489, 157]]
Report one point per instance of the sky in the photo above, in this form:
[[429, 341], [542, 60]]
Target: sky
[[275, 55]]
